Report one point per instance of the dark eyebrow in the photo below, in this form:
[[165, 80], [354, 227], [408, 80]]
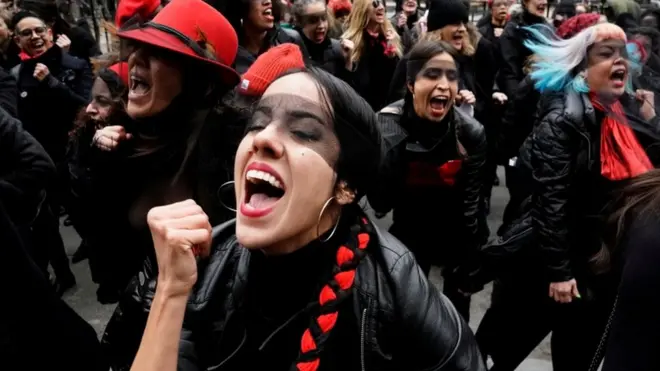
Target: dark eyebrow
[[305, 115], [264, 109]]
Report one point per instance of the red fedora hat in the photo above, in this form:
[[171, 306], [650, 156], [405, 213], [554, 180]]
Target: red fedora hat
[[195, 29]]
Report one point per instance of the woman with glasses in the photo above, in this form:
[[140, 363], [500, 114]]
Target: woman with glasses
[[52, 87], [374, 49]]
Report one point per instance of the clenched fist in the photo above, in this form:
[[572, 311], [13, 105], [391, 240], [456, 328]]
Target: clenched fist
[[63, 42], [41, 71], [180, 232], [108, 138]]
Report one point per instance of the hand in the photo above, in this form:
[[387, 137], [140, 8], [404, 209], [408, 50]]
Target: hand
[[347, 47], [467, 96], [180, 232], [63, 42], [389, 35], [498, 31], [108, 138], [647, 99], [564, 292], [500, 98], [402, 20], [40, 72]]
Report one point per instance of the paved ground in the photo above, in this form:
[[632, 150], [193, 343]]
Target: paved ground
[[83, 297]]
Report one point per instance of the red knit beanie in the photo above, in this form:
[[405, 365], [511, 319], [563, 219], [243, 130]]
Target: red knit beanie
[[121, 69], [340, 5], [268, 67], [127, 9], [576, 24]]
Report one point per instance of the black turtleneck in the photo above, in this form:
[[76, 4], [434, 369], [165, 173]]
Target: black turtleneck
[[282, 293]]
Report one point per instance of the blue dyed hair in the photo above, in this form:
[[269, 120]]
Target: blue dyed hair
[[558, 60]]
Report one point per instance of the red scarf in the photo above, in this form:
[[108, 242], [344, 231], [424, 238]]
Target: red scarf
[[621, 155], [26, 57]]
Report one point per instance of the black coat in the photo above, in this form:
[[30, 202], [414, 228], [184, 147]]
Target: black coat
[[513, 53], [471, 136], [25, 170], [404, 321], [48, 108], [561, 160]]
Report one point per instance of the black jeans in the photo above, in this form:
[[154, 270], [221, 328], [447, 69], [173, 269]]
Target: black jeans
[[450, 289], [522, 315]]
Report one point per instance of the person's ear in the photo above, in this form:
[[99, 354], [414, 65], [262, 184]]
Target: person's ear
[[17, 40], [344, 195], [411, 87]]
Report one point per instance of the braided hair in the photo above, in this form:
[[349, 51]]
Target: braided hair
[[332, 295], [356, 127]]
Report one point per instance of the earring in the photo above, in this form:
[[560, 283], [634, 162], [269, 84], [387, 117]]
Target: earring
[[318, 223], [225, 184]]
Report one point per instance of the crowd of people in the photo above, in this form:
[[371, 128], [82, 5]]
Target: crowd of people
[[224, 162]]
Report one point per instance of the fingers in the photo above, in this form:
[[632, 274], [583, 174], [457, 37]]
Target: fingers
[[575, 292], [195, 240]]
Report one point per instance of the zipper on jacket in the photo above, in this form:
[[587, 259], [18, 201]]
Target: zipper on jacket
[[363, 336]]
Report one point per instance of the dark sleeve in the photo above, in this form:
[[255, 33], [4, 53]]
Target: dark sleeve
[[434, 331], [511, 64], [188, 360], [8, 93], [398, 83], [553, 164], [80, 93], [635, 333], [471, 182], [31, 168], [382, 197]]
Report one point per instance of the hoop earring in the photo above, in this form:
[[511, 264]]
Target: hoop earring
[[223, 185], [318, 224]]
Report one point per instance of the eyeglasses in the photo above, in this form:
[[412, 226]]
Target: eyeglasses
[[376, 3], [27, 32]]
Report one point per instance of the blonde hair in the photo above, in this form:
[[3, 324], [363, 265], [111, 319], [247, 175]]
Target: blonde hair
[[469, 42], [357, 21]]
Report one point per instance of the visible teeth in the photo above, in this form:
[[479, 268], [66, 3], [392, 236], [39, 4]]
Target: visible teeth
[[258, 174]]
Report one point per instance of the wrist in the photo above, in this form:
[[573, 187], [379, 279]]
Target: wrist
[[175, 291]]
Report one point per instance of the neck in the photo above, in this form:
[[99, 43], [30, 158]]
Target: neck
[[319, 231], [373, 27], [410, 12], [498, 22], [254, 38]]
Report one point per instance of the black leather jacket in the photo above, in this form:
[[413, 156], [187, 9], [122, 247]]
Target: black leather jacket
[[561, 156], [471, 136], [405, 322]]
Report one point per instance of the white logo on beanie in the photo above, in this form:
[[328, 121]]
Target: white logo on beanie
[[244, 84]]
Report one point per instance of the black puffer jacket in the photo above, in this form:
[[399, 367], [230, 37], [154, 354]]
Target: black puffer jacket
[[562, 157], [404, 322], [471, 136], [513, 53]]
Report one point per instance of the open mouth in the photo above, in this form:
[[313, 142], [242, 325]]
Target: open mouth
[[138, 85], [38, 44], [268, 13], [439, 105], [618, 76], [541, 7], [263, 189]]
